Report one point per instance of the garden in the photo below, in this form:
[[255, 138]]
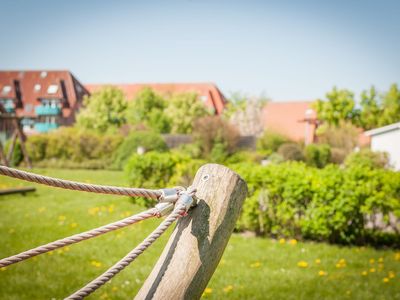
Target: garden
[[320, 220]]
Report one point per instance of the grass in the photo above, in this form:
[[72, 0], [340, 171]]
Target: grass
[[251, 268]]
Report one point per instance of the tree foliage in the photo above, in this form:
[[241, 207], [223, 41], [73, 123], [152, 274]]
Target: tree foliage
[[182, 111], [338, 107], [104, 110], [375, 109], [148, 109]]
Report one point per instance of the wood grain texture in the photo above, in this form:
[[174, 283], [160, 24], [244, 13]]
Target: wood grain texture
[[199, 239]]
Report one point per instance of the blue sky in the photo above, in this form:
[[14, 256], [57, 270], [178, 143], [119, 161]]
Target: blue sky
[[288, 50]]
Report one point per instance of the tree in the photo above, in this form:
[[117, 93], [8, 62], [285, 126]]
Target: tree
[[246, 113], [148, 109], [390, 106], [340, 106], [183, 110], [370, 111], [103, 111]]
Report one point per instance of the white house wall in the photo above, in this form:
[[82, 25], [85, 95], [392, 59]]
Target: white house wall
[[388, 142]]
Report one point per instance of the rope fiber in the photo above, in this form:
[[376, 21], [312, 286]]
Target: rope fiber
[[78, 237], [131, 256], [79, 186]]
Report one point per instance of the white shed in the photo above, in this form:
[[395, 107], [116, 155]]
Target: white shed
[[387, 139]]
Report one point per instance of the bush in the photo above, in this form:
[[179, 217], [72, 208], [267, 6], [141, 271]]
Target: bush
[[71, 146], [271, 141], [216, 138], [17, 155], [331, 204], [368, 158], [148, 140], [291, 151], [152, 170], [317, 155]]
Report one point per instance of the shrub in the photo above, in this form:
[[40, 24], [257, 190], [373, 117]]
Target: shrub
[[368, 158], [291, 151], [71, 146], [332, 204], [216, 138], [148, 140], [151, 170], [271, 141], [317, 155], [342, 139], [17, 155]]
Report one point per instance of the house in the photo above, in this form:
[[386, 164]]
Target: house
[[294, 119], [208, 93], [42, 100], [387, 139]]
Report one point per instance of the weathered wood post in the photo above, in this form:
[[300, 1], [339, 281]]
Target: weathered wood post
[[198, 240]]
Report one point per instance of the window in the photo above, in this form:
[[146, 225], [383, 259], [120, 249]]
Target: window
[[52, 89], [6, 89], [37, 87]]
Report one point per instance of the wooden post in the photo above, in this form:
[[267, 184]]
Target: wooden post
[[199, 239]]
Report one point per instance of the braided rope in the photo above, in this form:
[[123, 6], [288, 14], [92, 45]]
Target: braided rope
[[73, 185], [131, 256], [78, 237]]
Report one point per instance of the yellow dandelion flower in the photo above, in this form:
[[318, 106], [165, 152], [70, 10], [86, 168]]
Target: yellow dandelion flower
[[97, 264], [317, 261], [293, 242], [364, 273], [66, 249], [302, 264], [61, 218], [385, 280], [282, 241], [114, 288], [228, 288], [397, 256], [322, 273], [207, 292], [372, 261], [391, 274], [256, 264], [3, 269], [372, 270], [380, 259], [60, 251], [73, 225]]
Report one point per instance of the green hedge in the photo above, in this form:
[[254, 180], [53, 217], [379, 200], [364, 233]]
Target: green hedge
[[330, 204], [70, 147]]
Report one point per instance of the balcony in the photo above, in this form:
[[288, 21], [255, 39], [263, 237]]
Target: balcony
[[43, 110], [8, 105], [45, 127]]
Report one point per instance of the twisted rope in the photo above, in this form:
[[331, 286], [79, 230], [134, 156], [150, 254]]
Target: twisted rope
[[131, 256], [73, 185], [79, 237]]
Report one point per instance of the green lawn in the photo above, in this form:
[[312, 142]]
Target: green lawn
[[252, 268]]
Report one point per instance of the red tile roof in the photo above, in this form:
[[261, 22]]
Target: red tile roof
[[288, 118], [34, 85], [208, 92]]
